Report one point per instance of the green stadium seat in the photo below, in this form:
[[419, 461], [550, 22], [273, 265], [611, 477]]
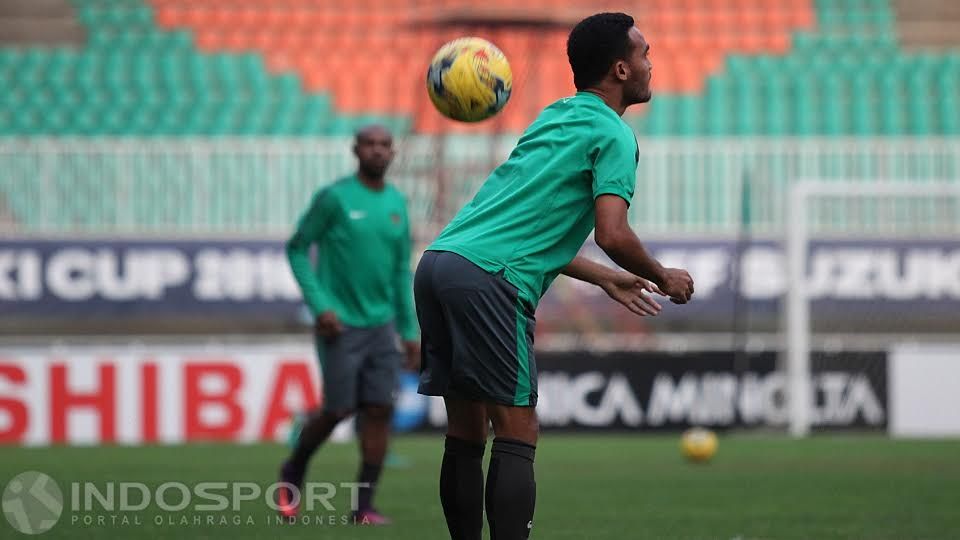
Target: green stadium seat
[[718, 115], [774, 103]]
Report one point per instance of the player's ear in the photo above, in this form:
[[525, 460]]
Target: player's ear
[[621, 70]]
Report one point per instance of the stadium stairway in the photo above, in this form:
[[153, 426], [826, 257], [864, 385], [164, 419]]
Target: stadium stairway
[[39, 23], [926, 24]]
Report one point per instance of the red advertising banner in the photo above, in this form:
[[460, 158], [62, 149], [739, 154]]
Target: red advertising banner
[[91, 395]]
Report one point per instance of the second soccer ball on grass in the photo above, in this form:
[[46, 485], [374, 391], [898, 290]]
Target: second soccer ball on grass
[[698, 444]]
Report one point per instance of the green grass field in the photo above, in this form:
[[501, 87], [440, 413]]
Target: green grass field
[[597, 487]]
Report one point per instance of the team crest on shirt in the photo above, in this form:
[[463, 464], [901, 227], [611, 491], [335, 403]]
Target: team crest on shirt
[[395, 218]]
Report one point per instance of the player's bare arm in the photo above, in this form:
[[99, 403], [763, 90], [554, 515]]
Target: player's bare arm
[[624, 287], [615, 237]]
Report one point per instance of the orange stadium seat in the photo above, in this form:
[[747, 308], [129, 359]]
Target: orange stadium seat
[[333, 46]]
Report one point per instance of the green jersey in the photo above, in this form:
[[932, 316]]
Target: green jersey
[[363, 264], [533, 213]]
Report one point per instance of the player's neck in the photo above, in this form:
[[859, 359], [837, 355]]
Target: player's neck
[[374, 183], [612, 100]]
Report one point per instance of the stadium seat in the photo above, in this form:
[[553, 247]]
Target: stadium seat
[[169, 68]]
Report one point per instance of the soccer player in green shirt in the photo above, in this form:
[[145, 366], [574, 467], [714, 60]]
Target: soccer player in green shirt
[[360, 295], [477, 286]]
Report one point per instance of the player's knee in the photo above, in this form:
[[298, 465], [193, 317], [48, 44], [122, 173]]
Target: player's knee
[[466, 420], [518, 423], [473, 433], [468, 428], [378, 412]]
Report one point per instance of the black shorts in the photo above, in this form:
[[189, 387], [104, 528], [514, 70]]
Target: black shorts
[[476, 333], [361, 366]]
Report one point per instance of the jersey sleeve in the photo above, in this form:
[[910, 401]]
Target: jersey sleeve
[[614, 165], [404, 312], [311, 227]]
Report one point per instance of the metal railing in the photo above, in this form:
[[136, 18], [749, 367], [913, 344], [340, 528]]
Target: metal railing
[[260, 186]]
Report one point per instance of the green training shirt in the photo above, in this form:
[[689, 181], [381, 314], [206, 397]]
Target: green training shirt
[[363, 256], [533, 213]]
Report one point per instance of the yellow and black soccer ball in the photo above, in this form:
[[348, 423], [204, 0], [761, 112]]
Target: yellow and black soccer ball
[[469, 79]]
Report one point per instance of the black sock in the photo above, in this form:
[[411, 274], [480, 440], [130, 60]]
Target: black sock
[[461, 488], [315, 431], [369, 474], [511, 490]]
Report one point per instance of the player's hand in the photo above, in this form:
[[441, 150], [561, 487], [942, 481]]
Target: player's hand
[[412, 350], [634, 293], [678, 285], [328, 325]]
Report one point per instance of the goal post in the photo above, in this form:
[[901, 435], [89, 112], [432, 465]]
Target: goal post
[[885, 208]]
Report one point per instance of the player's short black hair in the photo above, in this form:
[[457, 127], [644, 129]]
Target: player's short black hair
[[595, 44], [365, 130]]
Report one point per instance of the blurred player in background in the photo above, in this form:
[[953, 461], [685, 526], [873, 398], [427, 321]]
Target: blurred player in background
[[477, 286], [360, 295]]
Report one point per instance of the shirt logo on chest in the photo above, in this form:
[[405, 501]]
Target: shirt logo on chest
[[356, 214]]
